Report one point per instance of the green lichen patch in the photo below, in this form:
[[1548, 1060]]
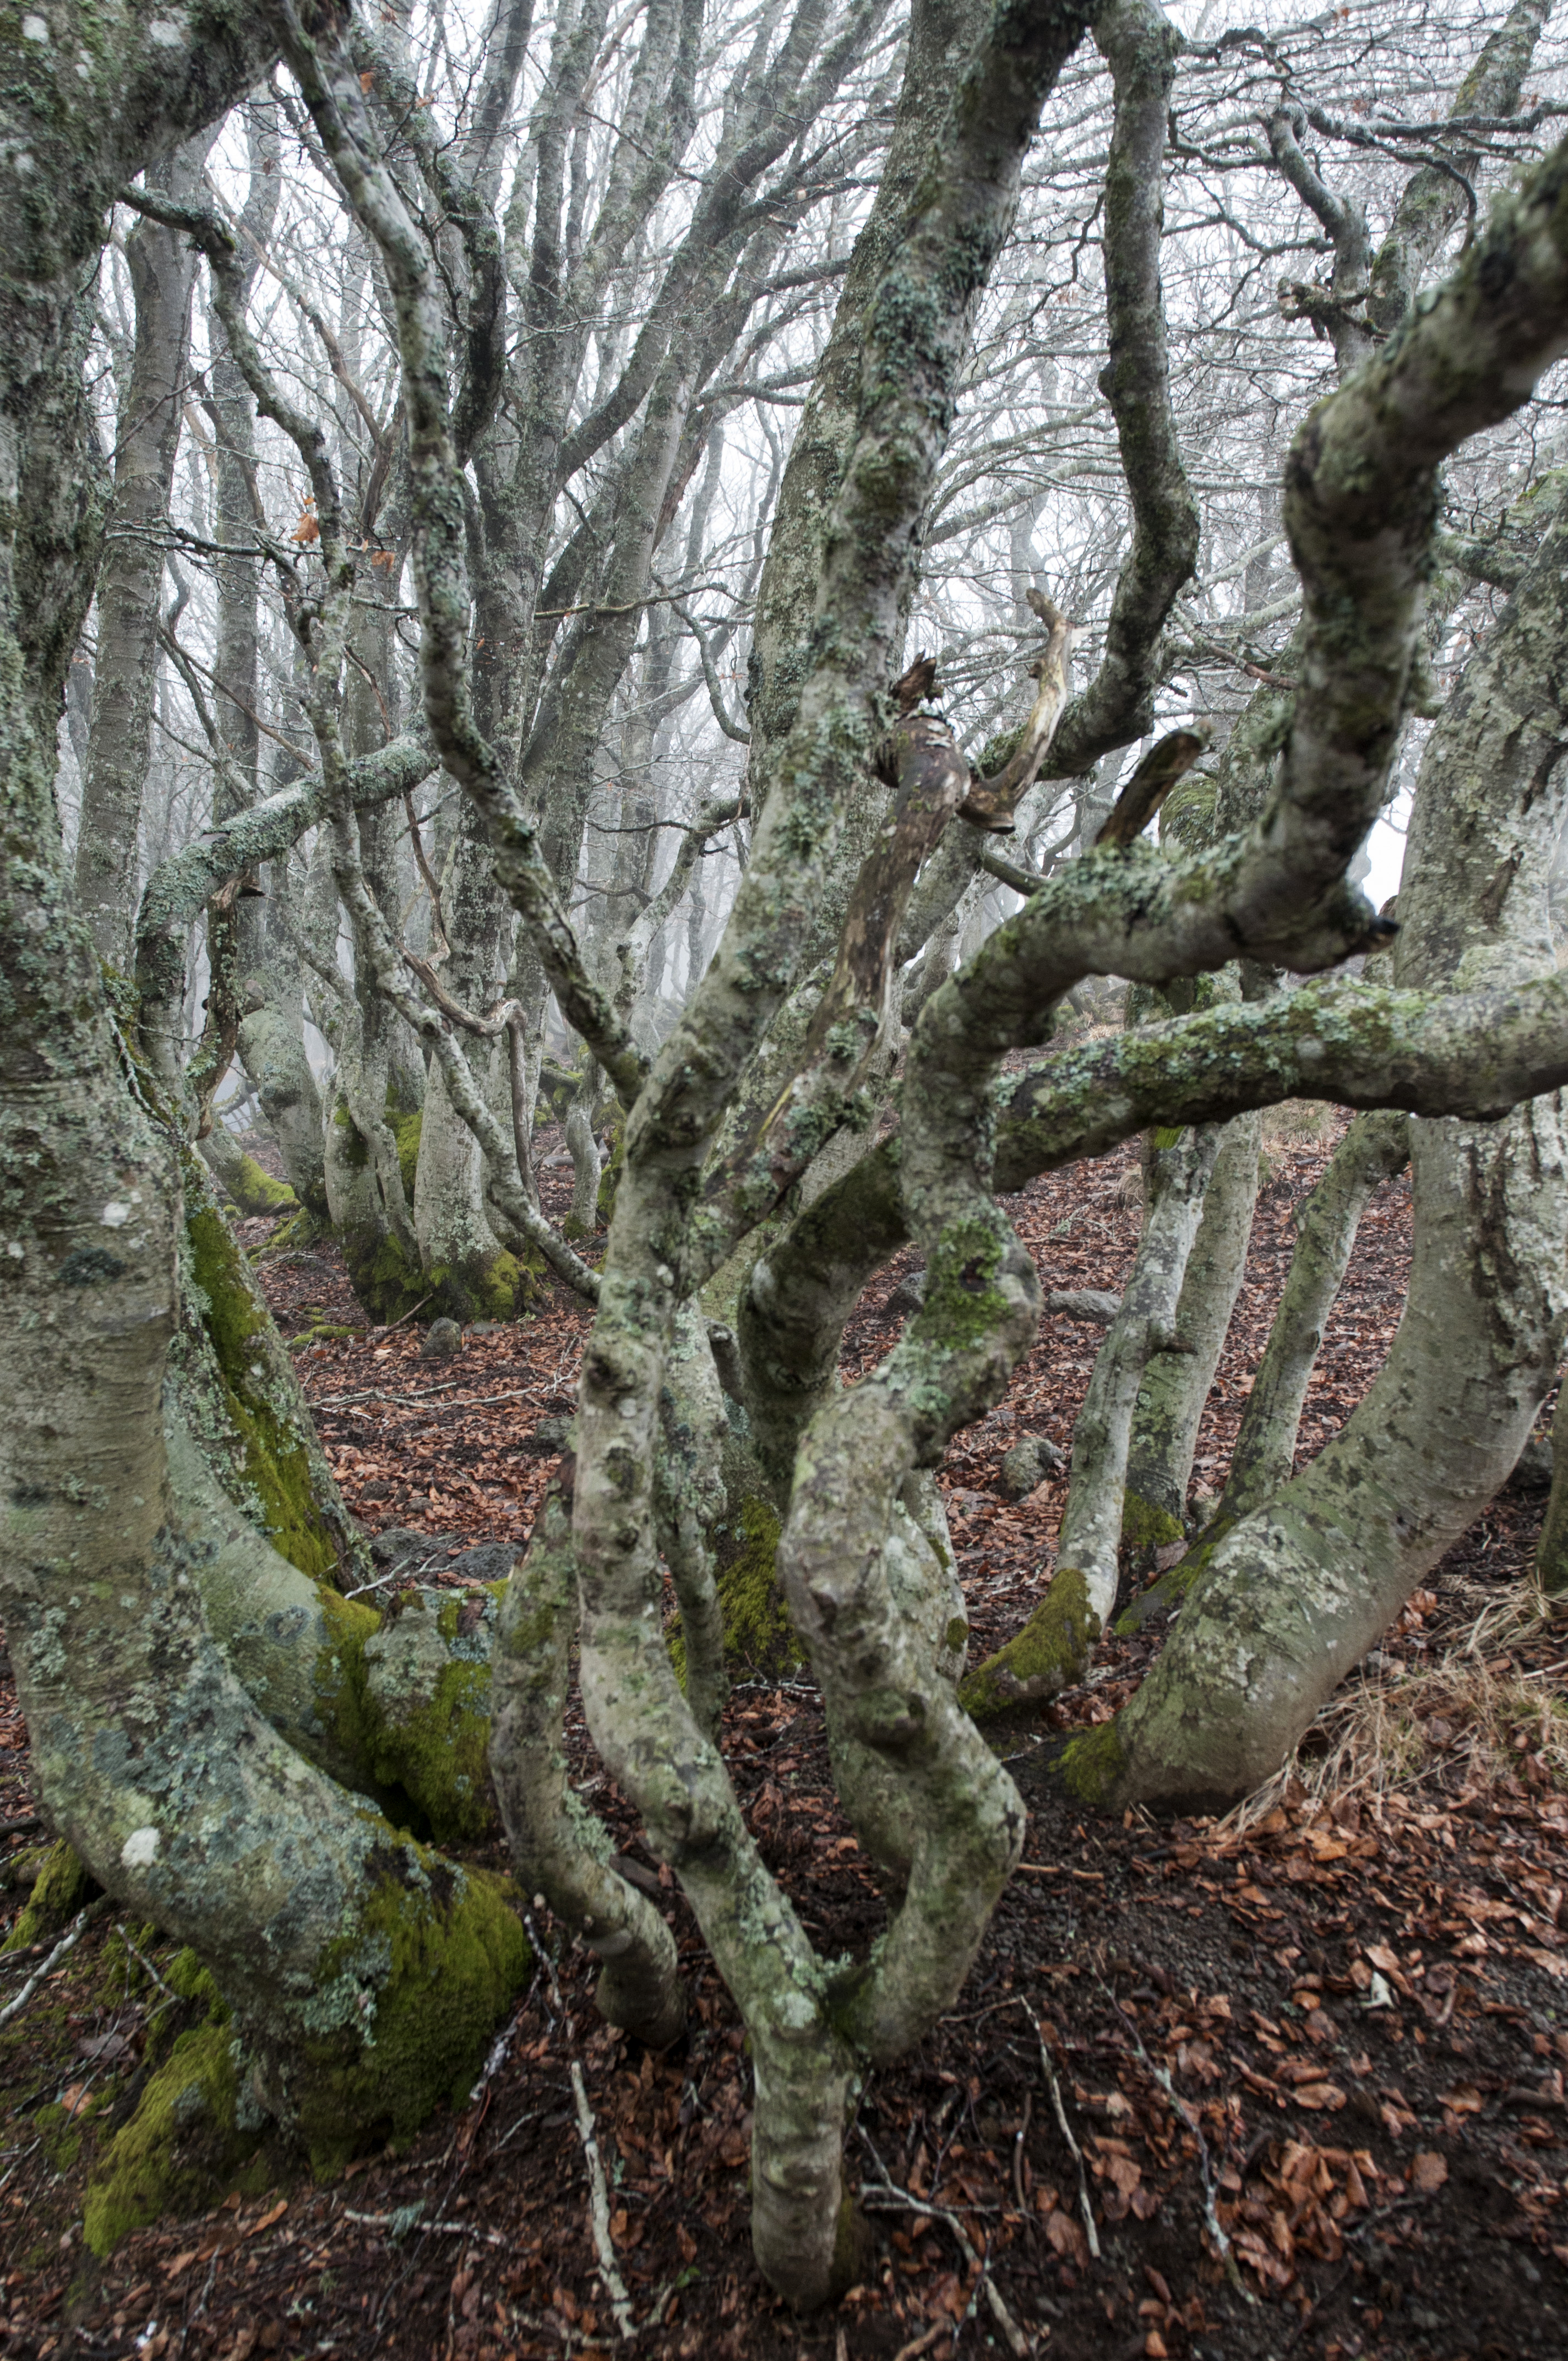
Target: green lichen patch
[[61, 1888], [1050, 1653], [416, 1992]]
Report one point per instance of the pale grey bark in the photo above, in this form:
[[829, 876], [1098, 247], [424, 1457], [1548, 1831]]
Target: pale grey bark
[[1178, 1178], [1373, 1151], [163, 271], [1179, 1371], [1298, 1590]]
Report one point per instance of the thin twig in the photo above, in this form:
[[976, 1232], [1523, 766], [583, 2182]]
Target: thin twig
[[604, 2246], [403, 1317], [68, 1942], [1017, 2342], [1084, 2207], [1158, 2075], [142, 1961]]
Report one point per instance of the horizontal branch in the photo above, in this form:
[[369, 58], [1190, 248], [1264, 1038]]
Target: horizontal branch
[[1470, 1054]]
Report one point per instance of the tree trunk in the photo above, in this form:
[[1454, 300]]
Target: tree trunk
[[108, 851], [1176, 1377], [1373, 1151]]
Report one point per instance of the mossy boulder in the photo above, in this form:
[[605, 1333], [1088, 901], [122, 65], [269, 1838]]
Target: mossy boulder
[[407, 1693]]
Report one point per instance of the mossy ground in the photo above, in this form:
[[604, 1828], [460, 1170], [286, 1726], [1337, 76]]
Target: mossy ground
[[189, 2142]]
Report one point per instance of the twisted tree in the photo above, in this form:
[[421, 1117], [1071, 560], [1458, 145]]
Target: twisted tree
[[242, 1755]]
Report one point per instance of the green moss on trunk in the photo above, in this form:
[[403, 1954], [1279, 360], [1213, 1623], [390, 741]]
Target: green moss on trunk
[[276, 1464], [255, 1191], [60, 1889], [1049, 1652], [428, 1763], [429, 1973]]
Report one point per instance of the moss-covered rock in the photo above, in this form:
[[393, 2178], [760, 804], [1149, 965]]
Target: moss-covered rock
[[254, 1191], [293, 1237], [61, 1888], [1090, 1765], [1050, 1653], [426, 1699]]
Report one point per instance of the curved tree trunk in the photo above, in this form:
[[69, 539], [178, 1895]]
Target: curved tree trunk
[[1373, 1151]]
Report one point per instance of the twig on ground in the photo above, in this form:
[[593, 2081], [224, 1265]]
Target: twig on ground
[[918, 2345], [1158, 2075], [1084, 2207], [67, 1942], [887, 2189], [24, 1826], [403, 1318], [143, 1961], [599, 2211]]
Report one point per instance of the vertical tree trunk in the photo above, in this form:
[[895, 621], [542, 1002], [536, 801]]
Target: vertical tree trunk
[[1373, 1151], [163, 270], [1177, 1375]]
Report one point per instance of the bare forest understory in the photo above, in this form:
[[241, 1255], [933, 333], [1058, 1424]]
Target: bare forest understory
[[1301, 2070]]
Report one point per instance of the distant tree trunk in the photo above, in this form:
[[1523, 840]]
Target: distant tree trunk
[[1179, 1374], [119, 747]]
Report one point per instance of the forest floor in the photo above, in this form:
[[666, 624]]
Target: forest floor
[[1282, 2085]]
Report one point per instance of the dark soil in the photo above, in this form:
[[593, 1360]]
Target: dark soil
[[1313, 2069]]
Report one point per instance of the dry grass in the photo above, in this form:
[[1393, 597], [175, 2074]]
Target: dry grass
[[1470, 1720]]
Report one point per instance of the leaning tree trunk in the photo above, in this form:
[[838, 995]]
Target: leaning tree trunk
[[1179, 1371], [1373, 1151]]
